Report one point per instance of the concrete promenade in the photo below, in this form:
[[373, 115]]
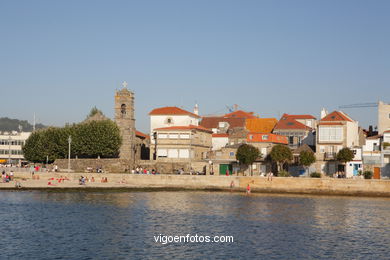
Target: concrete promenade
[[321, 186]]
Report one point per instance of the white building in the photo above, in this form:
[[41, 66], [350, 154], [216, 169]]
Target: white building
[[11, 144]]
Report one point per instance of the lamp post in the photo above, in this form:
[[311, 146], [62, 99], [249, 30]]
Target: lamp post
[[69, 142], [9, 149]]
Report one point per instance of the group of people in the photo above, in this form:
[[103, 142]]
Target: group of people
[[83, 180], [5, 177], [140, 170]]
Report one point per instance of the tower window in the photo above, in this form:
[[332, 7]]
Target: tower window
[[123, 109]]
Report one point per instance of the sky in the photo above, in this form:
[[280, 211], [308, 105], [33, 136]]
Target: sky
[[58, 59]]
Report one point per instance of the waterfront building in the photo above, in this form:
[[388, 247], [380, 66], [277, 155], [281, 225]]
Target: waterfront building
[[299, 129], [11, 144], [336, 131], [182, 143]]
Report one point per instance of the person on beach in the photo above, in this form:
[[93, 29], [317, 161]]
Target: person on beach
[[231, 185], [248, 189], [270, 175]]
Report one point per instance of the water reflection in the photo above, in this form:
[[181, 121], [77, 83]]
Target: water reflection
[[121, 225]]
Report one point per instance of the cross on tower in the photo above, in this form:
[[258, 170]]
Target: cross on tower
[[124, 84]]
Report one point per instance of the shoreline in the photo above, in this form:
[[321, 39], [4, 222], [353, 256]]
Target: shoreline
[[135, 182]]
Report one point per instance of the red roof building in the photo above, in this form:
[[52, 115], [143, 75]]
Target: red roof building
[[172, 111]]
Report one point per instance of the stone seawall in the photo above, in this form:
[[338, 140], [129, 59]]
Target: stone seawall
[[325, 186]]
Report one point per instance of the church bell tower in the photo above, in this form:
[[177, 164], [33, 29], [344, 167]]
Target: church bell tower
[[124, 118]]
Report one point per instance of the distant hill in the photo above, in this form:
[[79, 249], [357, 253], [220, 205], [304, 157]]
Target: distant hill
[[8, 124]]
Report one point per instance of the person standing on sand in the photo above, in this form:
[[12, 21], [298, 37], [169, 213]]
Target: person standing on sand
[[248, 189], [270, 175]]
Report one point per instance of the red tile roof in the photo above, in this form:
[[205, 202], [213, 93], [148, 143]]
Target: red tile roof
[[171, 111], [290, 123], [337, 116], [268, 138], [299, 116], [240, 114], [220, 135], [387, 131], [142, 135], [189, 127], [212, 122]]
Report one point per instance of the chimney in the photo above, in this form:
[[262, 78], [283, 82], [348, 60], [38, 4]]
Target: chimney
[[196, 109], [324, 113]]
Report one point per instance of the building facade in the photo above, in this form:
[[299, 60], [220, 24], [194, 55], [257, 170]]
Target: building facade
[[383, 117], [11, 144]]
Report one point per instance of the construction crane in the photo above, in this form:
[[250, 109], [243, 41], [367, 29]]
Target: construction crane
[[359, 105]]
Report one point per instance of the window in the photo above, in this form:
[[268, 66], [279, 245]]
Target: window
[[291, 140], [162, 136], [173, 136], [322, 149], [184, 136], [231, 154], [331, 134], [173, 153], [250, 137], [264, 152], [264, 137], [184, 153], [162, 152], [169, 120]]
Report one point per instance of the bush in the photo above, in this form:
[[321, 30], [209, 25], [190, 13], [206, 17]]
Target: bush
[[367, 174], [315, 175], [284, 174]]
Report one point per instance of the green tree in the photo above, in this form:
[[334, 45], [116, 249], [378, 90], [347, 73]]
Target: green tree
[[281, 154], [247, 154], [345, 155], [94, 111], [307, 158], [33, 149], [89, 140]]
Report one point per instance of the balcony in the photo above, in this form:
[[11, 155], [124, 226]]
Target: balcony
[[330, 156]]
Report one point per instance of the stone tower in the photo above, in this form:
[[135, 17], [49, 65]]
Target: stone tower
[[124, 118]]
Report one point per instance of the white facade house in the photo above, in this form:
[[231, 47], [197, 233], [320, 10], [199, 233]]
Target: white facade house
[[219, 141], [171, 116], [355, 166], [336, 131], [11, 144]]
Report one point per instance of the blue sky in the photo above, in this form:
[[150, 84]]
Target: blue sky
[[61, 58]]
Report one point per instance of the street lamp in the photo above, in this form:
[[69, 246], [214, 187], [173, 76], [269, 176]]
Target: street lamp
[[9, 149], [69, 142]]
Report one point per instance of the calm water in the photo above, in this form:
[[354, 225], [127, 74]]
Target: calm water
[[122, 225]]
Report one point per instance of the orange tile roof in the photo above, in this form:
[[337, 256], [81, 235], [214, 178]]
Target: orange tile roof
[[299, 116], [140, 134], [240, 114], [189, 127], [271, 138], [290, 123], [171, 111], [337, 116], [220, 135], [262, 125]]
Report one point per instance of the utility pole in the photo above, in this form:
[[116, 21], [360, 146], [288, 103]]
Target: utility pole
[[69, 142], [9, 149]]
